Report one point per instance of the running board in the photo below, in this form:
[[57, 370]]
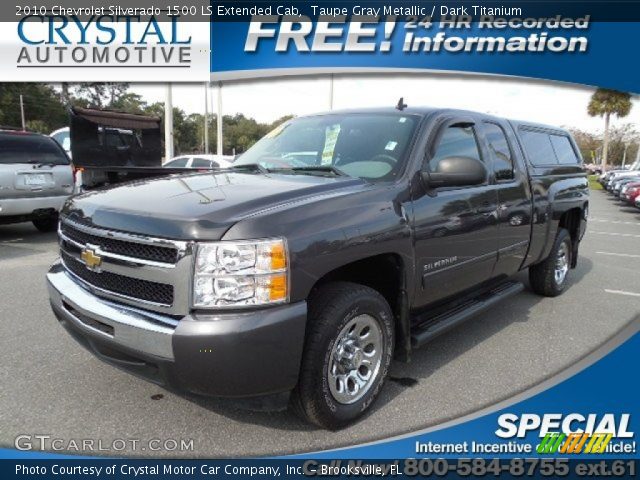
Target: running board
[[436, 325]]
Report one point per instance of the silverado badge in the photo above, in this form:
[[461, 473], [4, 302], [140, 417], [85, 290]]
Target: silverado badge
[[91, 260]]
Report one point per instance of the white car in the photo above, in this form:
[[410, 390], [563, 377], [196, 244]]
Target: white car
[[63, 138], [200, 161]]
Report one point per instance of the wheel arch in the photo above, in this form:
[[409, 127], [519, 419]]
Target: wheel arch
[[387, 274]]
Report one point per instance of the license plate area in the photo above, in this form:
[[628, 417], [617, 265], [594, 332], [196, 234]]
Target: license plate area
[[35, 179]]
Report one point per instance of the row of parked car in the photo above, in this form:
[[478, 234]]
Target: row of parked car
[[623, 183], [37, 174]]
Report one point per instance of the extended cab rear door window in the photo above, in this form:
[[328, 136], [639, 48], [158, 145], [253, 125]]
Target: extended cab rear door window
[[538, 147], [564, 150], [546, 148]]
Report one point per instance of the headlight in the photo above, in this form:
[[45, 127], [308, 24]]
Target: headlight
[[238, 274]]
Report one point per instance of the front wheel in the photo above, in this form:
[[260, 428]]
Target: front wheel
[[549, 278], [348, 350]]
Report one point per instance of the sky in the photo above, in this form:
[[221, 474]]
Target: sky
[[269, 99]]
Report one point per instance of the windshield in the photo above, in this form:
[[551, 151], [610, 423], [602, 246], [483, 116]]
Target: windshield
[[369, 146], [24, 148]]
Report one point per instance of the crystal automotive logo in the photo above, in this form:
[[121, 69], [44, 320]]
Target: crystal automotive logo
[[573, 433], [102, 41]]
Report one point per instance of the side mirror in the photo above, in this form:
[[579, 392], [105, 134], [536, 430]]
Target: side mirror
[[456, 172]]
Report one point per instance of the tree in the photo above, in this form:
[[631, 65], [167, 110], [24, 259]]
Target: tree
[[588, 143], [605, 103], [101, 95], [43, 107], [129, 102], [621, 138]]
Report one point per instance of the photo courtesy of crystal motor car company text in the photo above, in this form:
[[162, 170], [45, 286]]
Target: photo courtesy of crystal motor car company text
[[280, 264]]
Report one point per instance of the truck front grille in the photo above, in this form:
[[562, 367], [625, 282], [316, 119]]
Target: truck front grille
[[146, 272], [131, 287], [121, 247]]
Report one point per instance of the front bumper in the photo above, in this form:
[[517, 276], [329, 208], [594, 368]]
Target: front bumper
[[242, 354]]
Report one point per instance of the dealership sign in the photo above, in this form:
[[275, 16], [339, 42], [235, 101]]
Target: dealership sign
[[103, 47]]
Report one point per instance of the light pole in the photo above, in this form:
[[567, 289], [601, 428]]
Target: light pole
[[24, 124], [219, 120], [168, 124], [331, 92], [206, 118]]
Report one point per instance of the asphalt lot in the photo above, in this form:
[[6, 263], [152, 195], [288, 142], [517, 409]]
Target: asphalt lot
[[51, 386]]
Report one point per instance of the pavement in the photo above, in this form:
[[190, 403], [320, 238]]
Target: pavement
[[53, 387]]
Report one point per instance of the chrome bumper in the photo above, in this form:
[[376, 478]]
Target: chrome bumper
[[135, 329]]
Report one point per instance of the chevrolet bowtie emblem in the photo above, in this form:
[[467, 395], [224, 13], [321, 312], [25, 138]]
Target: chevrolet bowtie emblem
[[91, 260]]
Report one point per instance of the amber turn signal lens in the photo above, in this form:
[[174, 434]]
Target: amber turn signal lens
[[278, 287], [278, 257]]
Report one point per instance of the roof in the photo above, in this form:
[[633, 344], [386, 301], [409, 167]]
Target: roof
[[424, 111], [18, 131], [111, 118]]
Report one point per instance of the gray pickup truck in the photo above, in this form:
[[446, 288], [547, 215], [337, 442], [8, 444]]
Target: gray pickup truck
[[336, 243], [36, 179]]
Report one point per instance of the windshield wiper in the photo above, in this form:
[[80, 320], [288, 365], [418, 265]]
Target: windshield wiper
[[42, 164], [255, 167], [313, 168]]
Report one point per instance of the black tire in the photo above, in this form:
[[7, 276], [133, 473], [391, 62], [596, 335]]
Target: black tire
[[542, 276], [47, 224], [331, 308]]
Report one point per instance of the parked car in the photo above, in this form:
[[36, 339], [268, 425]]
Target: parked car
[[63, 138], [200, 161], [633, 171], [35, 179], [618, 184], [631, 192], [607, 176], [298, 284], [627, 185]]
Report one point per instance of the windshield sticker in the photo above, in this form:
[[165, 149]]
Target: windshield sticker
[[402, 119], [331, 137], [391, 146]]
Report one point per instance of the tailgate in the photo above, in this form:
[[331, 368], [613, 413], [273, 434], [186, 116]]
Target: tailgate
[[20, 180]]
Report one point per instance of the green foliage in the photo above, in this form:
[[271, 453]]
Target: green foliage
[[594, 184], [45, 111], [38, 126], [100, 95], [591, 145], [609, 102], [41, 103]]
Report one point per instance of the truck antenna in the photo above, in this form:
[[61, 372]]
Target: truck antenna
[[401, 105]]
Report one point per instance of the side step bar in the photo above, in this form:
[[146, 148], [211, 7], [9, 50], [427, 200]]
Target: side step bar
[[431, 327]]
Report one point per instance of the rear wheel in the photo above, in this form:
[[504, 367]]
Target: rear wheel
[[46, 224], [549, 278], [348, 350]]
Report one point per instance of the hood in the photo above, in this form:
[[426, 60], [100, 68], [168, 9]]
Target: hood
[[200, 206]]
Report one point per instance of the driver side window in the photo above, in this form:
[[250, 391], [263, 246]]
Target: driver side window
[[456, 141]]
